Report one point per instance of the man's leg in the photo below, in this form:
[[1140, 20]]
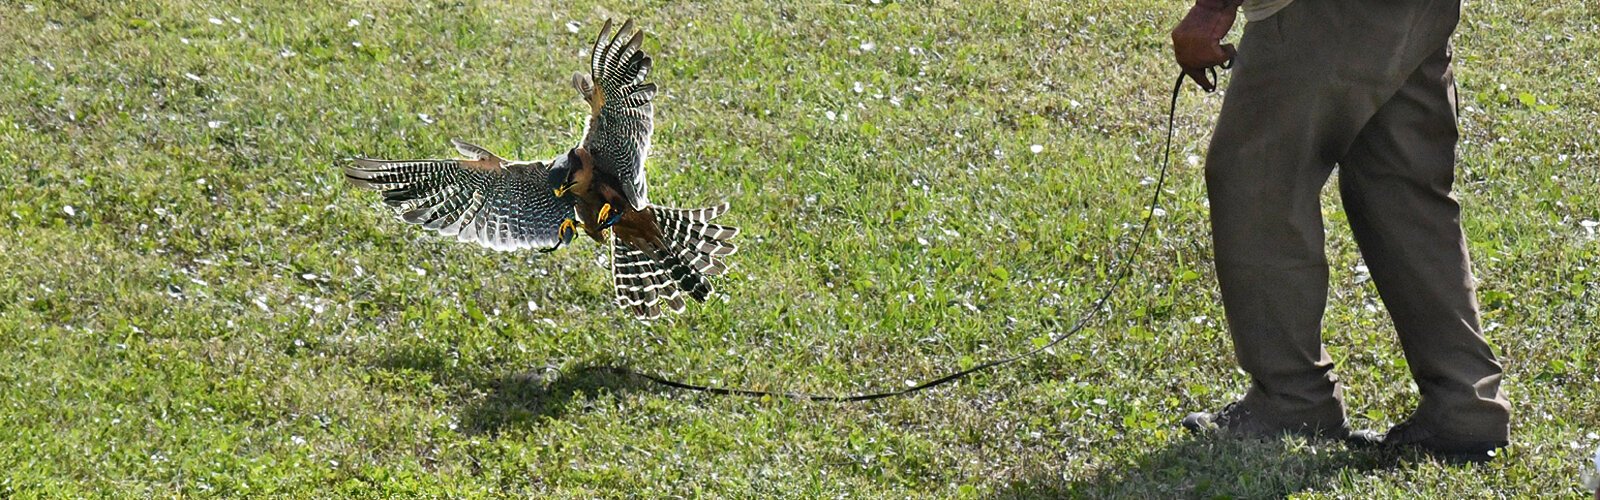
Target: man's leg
[[1396, 186], [1265, 170], [1304, 84]]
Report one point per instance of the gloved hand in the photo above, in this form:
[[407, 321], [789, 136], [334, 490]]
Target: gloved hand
[[1197, 40]]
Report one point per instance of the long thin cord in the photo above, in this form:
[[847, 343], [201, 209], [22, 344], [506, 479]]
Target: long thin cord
[[1124, 268]]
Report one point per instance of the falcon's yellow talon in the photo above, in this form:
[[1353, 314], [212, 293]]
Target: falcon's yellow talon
[[605, 211]]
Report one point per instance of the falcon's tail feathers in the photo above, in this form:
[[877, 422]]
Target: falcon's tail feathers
[[642, 284], [695, 246], [694, 250]]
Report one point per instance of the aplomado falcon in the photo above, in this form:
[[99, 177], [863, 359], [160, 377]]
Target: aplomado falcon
[[658, 253]]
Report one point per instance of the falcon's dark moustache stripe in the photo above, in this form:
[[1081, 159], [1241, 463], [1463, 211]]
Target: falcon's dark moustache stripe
[[1123, 266]]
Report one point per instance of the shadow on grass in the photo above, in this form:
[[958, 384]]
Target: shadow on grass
[[1212, 468], [522, 399]]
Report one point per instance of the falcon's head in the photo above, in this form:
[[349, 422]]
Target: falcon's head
[[560, 176], [569, 172]]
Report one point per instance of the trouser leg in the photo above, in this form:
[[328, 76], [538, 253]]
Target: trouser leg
[[1395, 183], [1265, 169], [1264, 176], [1305, 82]]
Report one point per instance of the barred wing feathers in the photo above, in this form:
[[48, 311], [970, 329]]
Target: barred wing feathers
[[483, 199], [622, 118]]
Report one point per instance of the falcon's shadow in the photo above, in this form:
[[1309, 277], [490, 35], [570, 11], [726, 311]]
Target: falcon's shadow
[[502, 395], [523, 399]]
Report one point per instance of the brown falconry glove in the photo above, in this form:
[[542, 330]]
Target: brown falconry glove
[[1197, 40]]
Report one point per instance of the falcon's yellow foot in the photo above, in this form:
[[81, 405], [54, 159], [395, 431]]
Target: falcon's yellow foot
[[608, 217], [568, 230]]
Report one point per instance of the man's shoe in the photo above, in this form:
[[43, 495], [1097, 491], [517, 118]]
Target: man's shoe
[[1237, 421], [1411, 434]]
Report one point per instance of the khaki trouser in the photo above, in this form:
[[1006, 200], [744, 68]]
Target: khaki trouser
[[1367, 86]]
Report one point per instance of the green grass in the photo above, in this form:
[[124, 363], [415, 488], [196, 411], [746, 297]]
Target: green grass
[[218, 313]]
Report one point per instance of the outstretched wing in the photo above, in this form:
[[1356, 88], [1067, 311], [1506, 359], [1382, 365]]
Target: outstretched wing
[[619, 127], [484, 199]]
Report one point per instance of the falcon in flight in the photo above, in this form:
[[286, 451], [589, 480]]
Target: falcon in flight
[[658, 254]]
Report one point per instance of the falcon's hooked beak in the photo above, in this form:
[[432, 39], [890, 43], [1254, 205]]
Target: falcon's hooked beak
[[562, 191]]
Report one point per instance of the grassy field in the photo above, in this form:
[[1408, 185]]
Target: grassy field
[[194, 303]]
